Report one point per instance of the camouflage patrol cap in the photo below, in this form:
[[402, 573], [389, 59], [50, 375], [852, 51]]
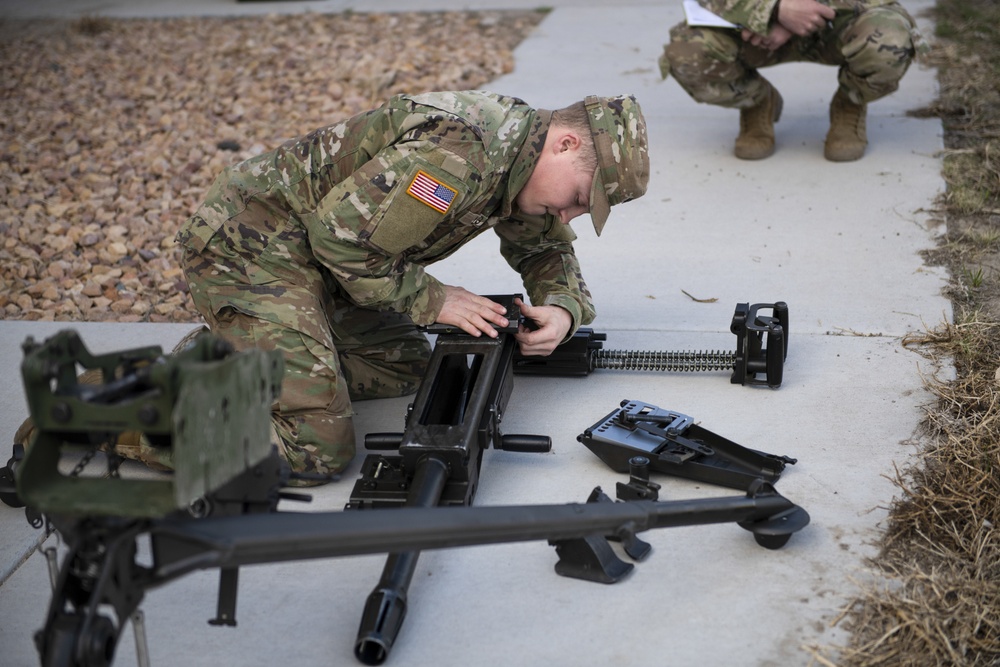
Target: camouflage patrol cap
[[619, 132]]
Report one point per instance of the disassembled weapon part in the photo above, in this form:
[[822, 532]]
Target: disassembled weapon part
[[761, 349], [675, 445]]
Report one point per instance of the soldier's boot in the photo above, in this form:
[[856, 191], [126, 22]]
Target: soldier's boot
[[756, 139], [848, 136]]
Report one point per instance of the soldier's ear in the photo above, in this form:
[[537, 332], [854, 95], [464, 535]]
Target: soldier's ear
[[566, 140]]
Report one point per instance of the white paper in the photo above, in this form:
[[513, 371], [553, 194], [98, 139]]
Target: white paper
[[699, 16]]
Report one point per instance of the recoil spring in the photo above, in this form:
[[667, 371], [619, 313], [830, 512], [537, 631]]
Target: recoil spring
[[682, 362]]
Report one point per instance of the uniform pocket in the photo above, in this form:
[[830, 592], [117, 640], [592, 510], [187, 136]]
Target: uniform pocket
[[423, 199]]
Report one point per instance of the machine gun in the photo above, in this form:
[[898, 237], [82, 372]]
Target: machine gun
[[210, 407], [455, 417]]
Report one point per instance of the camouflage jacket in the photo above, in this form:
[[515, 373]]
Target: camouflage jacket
[[371, 200], [756, 15]]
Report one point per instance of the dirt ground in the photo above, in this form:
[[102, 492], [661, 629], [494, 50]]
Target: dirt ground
[[111, 132]]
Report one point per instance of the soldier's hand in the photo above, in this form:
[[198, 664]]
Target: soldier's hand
[[553, 325], [804, 17], [471, 313], [772, 41]]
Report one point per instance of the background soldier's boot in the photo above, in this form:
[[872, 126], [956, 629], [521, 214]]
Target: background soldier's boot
[[847, 137], [756, 140]]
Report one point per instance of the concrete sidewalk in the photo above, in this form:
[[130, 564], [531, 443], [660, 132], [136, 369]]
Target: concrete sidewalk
[[839, 243]]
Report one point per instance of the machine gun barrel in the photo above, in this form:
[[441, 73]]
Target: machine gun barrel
[[102, 569], [385, 608], [183, 545]]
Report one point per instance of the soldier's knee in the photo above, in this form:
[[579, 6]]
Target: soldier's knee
[[697, 58], [393, 370], [315, 442], [683, 48], [879, 50]]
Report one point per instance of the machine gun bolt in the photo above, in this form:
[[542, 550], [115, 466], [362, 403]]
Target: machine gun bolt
[[761, 348]]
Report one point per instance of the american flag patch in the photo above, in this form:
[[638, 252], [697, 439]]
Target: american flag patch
[[432, 192]]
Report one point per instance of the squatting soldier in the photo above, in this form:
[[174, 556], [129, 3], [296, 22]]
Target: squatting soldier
[[318, 248], [871, 41]]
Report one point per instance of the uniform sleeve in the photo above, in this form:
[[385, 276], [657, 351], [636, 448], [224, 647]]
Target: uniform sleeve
[[540, 248], [362, 227], [753, 14]]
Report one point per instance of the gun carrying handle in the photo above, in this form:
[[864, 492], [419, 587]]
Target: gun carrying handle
[[519, 442], [383, 441]]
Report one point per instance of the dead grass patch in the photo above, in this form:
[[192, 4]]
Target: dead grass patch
[[936, 596]]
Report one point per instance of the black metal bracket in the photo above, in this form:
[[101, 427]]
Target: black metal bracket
[[676, 446], [638, 486], [764, 512], [761, 344]]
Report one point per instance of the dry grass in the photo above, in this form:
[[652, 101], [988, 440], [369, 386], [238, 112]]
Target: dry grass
[[937, 597], [940, 556], [939, 564]]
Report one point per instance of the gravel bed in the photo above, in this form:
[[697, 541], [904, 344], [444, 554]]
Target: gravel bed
[[111, 131]]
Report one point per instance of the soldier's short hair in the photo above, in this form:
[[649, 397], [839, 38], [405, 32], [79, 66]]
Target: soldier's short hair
[[575, 117]]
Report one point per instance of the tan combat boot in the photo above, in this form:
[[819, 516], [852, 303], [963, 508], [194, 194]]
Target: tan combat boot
[[847, 137], [756, 140]]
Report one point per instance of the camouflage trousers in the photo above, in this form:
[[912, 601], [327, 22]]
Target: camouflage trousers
[[873, 48], [334, 351]]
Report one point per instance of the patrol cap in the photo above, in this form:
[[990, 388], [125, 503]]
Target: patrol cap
[[619, 132]]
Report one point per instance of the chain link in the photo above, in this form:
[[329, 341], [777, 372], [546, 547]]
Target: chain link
[[114, 463], [82, 463]]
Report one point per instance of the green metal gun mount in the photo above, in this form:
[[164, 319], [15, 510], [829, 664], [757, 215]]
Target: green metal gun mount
[[208, 406]]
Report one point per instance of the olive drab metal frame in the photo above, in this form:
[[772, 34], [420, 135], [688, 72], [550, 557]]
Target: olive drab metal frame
[[203, 394]]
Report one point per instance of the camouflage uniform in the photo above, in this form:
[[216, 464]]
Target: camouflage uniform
[[872, 41], [318, 249]]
